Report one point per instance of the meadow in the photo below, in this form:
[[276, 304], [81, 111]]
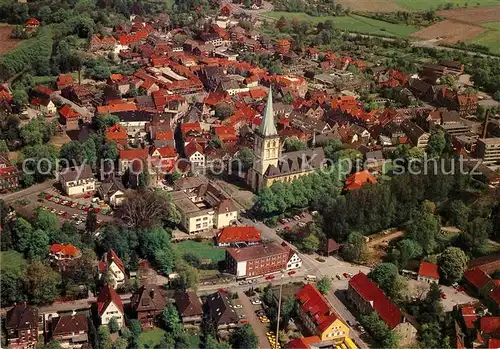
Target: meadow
[[424, 5], [491, 38]]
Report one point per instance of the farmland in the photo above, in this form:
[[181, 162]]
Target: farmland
[[352, 23], [473, 15], [6, 43], [491, 38], [423, 5], [450, 31]]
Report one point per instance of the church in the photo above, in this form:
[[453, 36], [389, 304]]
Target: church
[[270, 164]]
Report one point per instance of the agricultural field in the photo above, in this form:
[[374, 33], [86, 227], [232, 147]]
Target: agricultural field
[[491, 38], [352, 23], [6, 43], [478, 15], [424, 5], [204, 249], [449, 31]]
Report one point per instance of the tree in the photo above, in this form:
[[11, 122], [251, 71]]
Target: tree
[[188, 276], [113, 325], [244, 337], [294, 144], [310, 243], [476, 234], [223, 110], [20, 97], [496, 96], [53, 344], [12, 268], [171, 322], [430, 335], [47, 221], [104, 339], [458, 214], [212, 343], [164, 260], [452, 264], [91, 221], [244, 159], [423, 229], [120, 343], [73, 153], [437, 144], [40, 282], [408, 249], [384, 275], [37, 245], [3, 146], [354, 250], [324, 285]]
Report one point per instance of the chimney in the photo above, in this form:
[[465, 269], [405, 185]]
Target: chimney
[[485, 130], [152, 293]]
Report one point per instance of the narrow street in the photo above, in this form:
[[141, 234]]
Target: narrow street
[[259, 328]]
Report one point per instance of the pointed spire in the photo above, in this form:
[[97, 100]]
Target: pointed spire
[[267, 127]]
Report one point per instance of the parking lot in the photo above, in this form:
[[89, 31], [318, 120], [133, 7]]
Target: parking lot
[[260, 328]]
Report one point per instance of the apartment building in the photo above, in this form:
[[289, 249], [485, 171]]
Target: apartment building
[[488, 149], [77, 181], [256, 260]]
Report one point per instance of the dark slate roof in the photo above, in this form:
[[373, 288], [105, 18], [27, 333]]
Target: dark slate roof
[[221, 310], [297, 162], [22, 316], [188, 303], [111, 186], [70, 323], [72, 174], [148, 297]]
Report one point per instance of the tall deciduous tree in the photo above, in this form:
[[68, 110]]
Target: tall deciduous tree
[[245, 338], [324, 285], [41, 283], [452, 263]]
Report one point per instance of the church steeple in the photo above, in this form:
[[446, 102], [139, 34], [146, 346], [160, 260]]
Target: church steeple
[[267, 128]]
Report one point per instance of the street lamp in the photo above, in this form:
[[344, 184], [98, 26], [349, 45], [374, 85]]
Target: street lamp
[[279, 311]]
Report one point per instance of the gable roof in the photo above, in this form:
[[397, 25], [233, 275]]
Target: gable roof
[[107, 296], [68, 113], [429, 270], [67, 250], [477, 277], [358, 179], [192, 148], [315, 305], [238, 234], [188, 303], [369, 291], [220, 309], [111, 256], [148, 297], [22, 316], [131, 154], [70, 323]]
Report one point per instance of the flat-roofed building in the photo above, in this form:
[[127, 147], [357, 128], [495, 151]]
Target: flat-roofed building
[[256, 260], [488, 149]]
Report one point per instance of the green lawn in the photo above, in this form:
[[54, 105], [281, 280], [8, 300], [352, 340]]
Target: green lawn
[[151, 338], [205, 249], [352, 23], [491, 38], [423, 5], [12, 260], [169, 3]]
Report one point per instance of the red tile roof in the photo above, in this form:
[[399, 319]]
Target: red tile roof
[[68, 113], [130, 154], [44, 90], [67, 250], [106, 296], [369, 291], [490, 324], [477, 277], [116, 133], [495, 295], [316, 306], [494, 343], [303, 343], [63, 80], [192, 148], [165, 152], [469, 316], [428, 270], [116, 107], [358, 179], [113, 257], [258, 93], [238, 234], [33, 21], [5, 95], [190, 126], [164, 135]]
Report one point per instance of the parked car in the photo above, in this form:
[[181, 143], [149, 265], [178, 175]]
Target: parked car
[[443, 295], [256, 301], [269, 277], [237, 306], [291, 272], [346, 275], [338, 277], [287, 228]]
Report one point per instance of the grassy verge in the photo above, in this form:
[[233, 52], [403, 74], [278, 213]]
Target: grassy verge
[[204, 249], [150, 338], [424, 5], [352, 23]]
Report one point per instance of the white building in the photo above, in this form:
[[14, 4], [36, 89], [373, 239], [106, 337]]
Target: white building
[[195, 154], [109, 305], [112, 267], [77, 181], [294, 260]]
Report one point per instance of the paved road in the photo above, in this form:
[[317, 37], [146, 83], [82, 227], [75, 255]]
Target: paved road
[[35, 189], [83, 111], [259, 328]]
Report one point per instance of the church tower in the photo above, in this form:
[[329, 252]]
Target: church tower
[[266, 146]]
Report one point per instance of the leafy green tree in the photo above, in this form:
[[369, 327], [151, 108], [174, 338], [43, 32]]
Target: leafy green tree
[[452, 264], [40, 283], [36, 161], [91, 221], [223, 110], [73, 153], [47, 221], [120, 343], [20, 97], [437, 144], [212, 343], [21, 233], [104, 337], [113, 325], [432, 306], [12, 268], [171, 321], [188, 276], [3, 146], [324, 285], [164, 260], [37, 245], [294, 144], [458, 214], [310, 243], [354, 250], [244, 337], [331, 147], [476, 234], [53, 344], [431, 335], [246, 157], [408, 249], [423, 229], [384, 275], [154, 240]]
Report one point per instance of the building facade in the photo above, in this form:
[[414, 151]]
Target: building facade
[[71, 331], [22, 327], [488, 149], [255, 261], [109, 305], [77, 181]]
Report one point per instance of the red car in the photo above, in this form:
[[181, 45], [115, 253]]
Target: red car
[[291, 272], [48, 197], [287, 228], [346, 275], [269, 277], [443, 295]]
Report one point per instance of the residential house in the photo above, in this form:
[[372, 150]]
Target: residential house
[[148, 304], [465, 104], [9, 175], [452, 67], [128, 156], [211, 38], [71, 331], [220, 311], [21, 325], [77, 181], [428, 272], [358, 180], [257, 260], [189, 306], [67, 252], [367, 297], [195, 154], [318, 317], [233, 236], [109, 305], [117, 133], [135, 122], [312, 53], [203, 205], [45, 105], [83, 96], [294, 260], [112, 267], [480, 282], [32, 24], [418, 137], [282, 46], [69, 118]]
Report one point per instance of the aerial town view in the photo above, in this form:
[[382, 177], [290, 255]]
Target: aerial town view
[[249, 174]]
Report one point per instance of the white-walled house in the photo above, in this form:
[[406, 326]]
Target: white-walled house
[[112, 266], [294, 261], [77, 181], [195, 154], [109, 305]]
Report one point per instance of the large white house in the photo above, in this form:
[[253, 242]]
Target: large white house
[[112, 267], [294, 261], [109, 305], [77, 181], [195, 154]]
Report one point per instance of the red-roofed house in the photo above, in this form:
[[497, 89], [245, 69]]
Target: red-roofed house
[[469, 318], [303, 343], [479, 281], [69, 117], [230, 236], [32, 23], [9, 175], [428, 272], [294, 260], [489, 327], [190, 127], [195, 154], [109, 305], [60, 252], [117, 134], [359, 179], [367, 297], [128, 156], [318, 317], [112, 266], [164, 159], [64, 81]]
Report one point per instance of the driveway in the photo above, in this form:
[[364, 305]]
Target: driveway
[[259, 328]]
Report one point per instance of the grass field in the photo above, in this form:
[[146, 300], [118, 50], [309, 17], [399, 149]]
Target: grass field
[[204, 249], [423, 5], [491, 38], [352, 23], [151, 338], [169, 3], [12, 260]]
